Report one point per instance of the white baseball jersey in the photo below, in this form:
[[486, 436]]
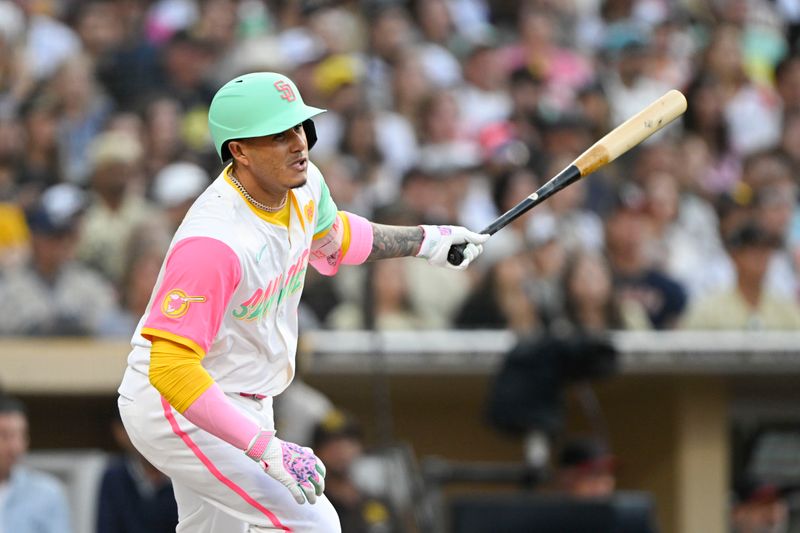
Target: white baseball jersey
[[243, 316], [229, 289], [253, 349]]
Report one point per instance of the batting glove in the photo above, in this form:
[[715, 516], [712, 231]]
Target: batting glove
[[295, 466], [438, 240]]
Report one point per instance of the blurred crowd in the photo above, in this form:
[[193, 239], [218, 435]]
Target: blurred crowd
[[439, 111]]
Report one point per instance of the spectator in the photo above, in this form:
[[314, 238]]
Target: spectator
[[30, 501], [628, 83], [129, 71], [176, 187], [707, 134], [595, 108], [682, 232], [634, 278], [49, 42], [134, 496], [100, 28], [84, 110], [503, 299], [117, 206], [359, 141], [508, 189], [577, 227], [774, 187], [589, 302], [563, 70], [391, 308], [41, 166], [444, 137], [747, 304], [752, 112], [436, 55], [759, 507], [548, 257], [144, 253], [483, 98], [185, 64], [390, 32], [163, 140], [54, 295], [339, 445]]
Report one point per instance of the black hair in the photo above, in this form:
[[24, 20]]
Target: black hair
[[612, 312], [690, 119]]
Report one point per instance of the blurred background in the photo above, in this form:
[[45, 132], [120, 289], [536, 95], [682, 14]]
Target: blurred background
[[623, 358]]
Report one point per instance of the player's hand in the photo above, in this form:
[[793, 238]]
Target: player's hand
[[295, 466], [438, 239]]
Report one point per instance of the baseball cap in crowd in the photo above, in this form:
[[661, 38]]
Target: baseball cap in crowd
[[336, 425], [337, 71], [750, 490], [499, 143], [178, 182], [588, 455], [625, 37], [58, 210], [115, 147]]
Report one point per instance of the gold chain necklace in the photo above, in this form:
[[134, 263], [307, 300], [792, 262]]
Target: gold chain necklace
[[256, 203]]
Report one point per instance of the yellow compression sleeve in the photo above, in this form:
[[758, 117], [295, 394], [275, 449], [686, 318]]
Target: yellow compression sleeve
[[176, 372]]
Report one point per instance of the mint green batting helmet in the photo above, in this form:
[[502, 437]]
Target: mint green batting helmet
[[258, 104]]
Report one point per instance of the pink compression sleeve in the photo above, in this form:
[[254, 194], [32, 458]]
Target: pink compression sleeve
[[213, 412]]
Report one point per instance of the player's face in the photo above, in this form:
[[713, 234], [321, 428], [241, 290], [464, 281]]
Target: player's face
[[278, 162]]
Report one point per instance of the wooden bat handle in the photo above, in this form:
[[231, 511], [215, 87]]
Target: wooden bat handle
[[631, 132]]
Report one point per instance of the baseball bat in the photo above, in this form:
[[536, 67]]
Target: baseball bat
[[615, 143]]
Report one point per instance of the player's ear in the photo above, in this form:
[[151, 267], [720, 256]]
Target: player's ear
[[236, 148]]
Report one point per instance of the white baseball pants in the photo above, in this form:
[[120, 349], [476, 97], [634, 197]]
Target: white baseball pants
[[218, 489]]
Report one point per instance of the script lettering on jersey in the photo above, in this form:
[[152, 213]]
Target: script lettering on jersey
[[262, 301]]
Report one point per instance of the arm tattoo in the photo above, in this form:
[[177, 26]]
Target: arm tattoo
[[394, 241]]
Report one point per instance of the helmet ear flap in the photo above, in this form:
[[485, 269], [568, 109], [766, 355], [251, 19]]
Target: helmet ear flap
[[311, 133], [225, 154]]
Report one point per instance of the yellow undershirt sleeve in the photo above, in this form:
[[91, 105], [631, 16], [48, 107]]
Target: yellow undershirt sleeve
[[176, 372], [345, 232]]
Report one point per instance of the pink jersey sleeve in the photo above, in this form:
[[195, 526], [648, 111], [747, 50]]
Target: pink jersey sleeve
[[199, 279]]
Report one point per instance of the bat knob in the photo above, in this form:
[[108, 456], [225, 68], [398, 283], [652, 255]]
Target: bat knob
[[456, 254]]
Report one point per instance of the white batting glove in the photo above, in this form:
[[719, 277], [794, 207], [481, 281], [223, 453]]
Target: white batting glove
[[438, 240], [295, 466]]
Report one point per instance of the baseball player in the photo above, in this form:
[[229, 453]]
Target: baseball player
[[218, 340]]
